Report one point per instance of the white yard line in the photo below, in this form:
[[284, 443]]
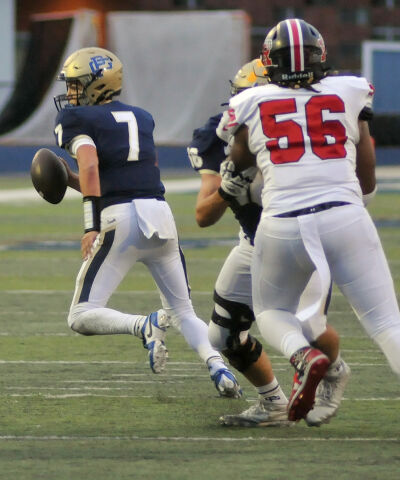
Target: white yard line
[[29, 194], [102, 395], [217, 439], [120, 362]]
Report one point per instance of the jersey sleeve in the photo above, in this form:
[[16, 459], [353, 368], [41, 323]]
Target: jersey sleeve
[[227, 125], [241, 107], [206, 151], [361, 94], [367, 111], [70, 123]]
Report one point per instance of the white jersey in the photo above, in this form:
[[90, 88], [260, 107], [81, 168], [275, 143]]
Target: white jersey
[[304, 140]]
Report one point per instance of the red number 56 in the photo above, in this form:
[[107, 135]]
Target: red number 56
[[327, 137]]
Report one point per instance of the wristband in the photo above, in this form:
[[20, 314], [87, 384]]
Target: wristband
[[226, 196], [369, 196], [91, 213]]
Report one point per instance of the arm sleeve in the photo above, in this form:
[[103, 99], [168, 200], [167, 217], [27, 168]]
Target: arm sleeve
[[77, 142]]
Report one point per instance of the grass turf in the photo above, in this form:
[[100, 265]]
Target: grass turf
[[89, 407]]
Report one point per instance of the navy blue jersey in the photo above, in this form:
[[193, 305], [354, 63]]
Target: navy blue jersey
[[206, 150], [123, 136], [206, 153]]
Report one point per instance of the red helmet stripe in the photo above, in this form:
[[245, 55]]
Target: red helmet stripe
[[296, 45]]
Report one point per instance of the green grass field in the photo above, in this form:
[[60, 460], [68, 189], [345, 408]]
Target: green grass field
[[76, 407]]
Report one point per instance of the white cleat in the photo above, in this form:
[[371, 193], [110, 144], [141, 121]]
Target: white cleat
[[153, 332], [261, 414], [329, 395]]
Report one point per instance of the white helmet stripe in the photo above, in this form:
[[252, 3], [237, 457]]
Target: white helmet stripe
[[296, 45]]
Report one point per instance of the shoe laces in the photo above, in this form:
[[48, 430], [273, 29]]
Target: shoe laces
[[298, 359], [328, 388], [325, 390], [259, 405], [262, 407]]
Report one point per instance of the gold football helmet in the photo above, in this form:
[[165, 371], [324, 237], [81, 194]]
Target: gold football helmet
[[250, 75], [93, 76]]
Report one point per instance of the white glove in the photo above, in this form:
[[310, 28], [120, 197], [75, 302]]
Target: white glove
[[235, 184]]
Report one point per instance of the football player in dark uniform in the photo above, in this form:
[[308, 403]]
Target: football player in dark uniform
[[232, 315], [126, 218], [222, 188]]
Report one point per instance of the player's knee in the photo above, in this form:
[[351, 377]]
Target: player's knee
[[76, 320], [235, 316], [242, 356]]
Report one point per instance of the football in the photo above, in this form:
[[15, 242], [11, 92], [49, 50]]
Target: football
[[49, 175]]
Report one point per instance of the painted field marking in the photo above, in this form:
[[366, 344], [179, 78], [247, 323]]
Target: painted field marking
[[196, 439], [119, 362], [182, 397], [23, 195]]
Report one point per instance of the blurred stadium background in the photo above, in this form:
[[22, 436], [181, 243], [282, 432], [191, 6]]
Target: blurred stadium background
[[179, 56]]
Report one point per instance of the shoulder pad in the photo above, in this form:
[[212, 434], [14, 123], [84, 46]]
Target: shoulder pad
[[206, 135]]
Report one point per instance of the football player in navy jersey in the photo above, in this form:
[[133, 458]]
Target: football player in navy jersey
[[233, 312], [126, 218]]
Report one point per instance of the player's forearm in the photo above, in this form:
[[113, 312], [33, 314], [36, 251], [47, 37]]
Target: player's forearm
[[240, 153], [210, 209], [365, 163], [89, 182], [89, 179], [73, 181]]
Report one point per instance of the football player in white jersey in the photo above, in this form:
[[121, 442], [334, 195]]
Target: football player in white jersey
[[126, 217], [233, 312], [307, 131]]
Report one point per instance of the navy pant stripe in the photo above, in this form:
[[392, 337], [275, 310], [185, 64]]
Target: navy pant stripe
[[184, 268], [96, 263], [328, 300]]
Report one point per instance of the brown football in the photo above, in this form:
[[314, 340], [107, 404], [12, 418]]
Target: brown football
[[49, 175]]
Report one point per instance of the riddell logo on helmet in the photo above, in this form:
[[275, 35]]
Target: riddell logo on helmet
[[296, 76]]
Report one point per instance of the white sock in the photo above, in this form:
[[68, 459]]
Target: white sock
[[389, 343], [105, 321], [335, 367], [195, 332], [215, 363], [137, 325], [282, 330], [272, 392]]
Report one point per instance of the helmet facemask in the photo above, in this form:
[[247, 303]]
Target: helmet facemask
[[75, 95]]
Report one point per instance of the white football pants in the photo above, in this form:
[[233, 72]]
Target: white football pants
[[140, 231], [343, 240], [234, 284]]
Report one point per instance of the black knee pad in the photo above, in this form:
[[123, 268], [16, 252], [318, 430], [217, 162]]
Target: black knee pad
[[243, 356], [242, 315]]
